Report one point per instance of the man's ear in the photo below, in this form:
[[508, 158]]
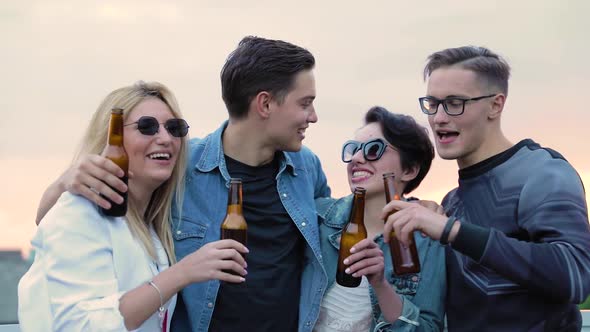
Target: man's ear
[[261, 104], [497, 106]]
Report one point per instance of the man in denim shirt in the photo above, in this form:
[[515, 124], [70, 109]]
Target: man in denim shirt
[[268, 88]]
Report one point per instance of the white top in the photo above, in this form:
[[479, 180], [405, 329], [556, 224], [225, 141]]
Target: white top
[[84, 263], [345, 309]]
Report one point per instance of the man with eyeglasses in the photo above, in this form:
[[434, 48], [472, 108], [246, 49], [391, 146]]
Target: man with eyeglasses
[[516, 227]]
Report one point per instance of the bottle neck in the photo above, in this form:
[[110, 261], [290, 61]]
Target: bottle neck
[[234, 209], [234, 198], [116, 130], [390, 191], [357, 214]]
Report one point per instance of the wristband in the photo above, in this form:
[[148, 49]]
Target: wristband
[[444, 237]]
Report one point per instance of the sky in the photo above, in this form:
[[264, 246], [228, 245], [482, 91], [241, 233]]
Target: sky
[[58, 59]]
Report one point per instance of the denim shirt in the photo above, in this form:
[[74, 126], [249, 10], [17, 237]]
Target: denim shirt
[[300, 179], [422, 294]]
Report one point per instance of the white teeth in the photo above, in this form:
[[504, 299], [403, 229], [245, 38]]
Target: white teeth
[[159, 156], [358, 174]]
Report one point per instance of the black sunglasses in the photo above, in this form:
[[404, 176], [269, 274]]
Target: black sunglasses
[[372, 150], [148, 125]]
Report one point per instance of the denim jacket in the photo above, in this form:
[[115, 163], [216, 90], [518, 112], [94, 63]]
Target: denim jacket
[[422, 294], [300, 179]]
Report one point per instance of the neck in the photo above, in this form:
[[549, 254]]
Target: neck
[[373, 207], [242, 142], [493, 145], [141, 196]]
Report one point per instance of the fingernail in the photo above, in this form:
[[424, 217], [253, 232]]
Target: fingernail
[[346, 261], [242, 279], [347, 271], [352, 250]]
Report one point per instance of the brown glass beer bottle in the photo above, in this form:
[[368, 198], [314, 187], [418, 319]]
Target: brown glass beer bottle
[[234, 225], [405, 260], [116, 152], [353, 232]]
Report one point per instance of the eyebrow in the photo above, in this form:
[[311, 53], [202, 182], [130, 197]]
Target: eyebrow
[[447, 97], [312, 98]]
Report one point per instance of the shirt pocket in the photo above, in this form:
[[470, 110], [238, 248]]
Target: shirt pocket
[[189, 236], [406, 284]]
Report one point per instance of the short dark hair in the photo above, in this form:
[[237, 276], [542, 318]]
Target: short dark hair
[[257, 65], [409, 138], [491, 68]]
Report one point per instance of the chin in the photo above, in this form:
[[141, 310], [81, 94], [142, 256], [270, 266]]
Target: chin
[[294, 147], [446, 153], [161, 178]]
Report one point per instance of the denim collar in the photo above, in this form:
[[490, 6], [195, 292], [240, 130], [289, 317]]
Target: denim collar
[[213, 156]]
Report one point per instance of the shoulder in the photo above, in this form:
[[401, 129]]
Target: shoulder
[[549, 183], [548, 171], [75, 214]]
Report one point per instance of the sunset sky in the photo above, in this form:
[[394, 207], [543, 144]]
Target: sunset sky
[[60, 58]]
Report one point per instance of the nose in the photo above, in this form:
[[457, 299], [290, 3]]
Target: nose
[[358, 157], [313, 116], [440, 116], [163, 136]]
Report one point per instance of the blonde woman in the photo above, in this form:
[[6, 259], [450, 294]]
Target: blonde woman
[[97, 273]]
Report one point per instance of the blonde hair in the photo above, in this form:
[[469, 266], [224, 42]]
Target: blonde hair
[[158, 212]]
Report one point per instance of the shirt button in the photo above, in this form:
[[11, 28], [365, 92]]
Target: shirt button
[[303, 224], [284, 195], [178, 232], [308, 324], [210, 305]]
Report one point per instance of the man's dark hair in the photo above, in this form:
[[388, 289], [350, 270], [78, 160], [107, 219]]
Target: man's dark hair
[[490, 68], [258, 65], [408, 137]]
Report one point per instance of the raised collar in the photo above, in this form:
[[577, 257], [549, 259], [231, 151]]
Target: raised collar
[[334, 212], [213, 156]]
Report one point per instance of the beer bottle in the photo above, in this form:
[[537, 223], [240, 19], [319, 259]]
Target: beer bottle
[[405, 260], [234, 225], [116, 152], [353, 233]]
